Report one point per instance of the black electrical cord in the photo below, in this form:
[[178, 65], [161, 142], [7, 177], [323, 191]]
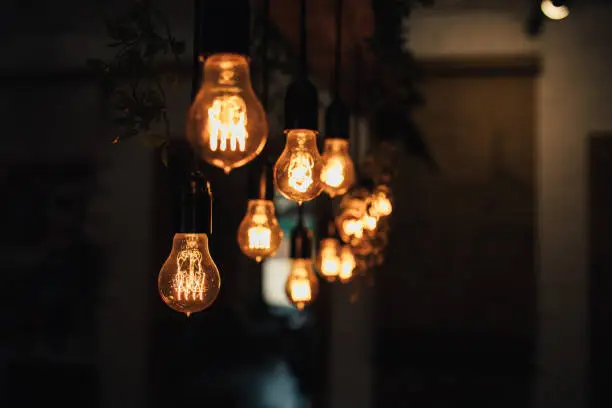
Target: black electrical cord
[[303, 61], [338, 51]]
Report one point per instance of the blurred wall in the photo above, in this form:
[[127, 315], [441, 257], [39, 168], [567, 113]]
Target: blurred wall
[[574, 98]]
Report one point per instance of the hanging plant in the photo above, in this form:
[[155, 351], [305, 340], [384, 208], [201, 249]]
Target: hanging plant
[[141, 39]]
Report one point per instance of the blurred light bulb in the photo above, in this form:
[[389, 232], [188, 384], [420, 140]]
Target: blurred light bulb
[[297, 172], [369, 222], [328, 259], [380, 204], [227, 125], [259, 234], [554, 12], [338, 173], [189, 280], [347, 264], [353, 227], [302, 286]]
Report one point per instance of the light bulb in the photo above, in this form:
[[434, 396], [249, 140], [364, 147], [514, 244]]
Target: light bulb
[[554, 12], [302, 286], [347, 264], [369, 222], [259, 234], [380, 204], [297, 172], [328, 259], [189, 280], [338, 173], [227, 124]]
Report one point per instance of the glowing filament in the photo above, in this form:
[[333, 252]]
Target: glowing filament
[[190, 282], [227, 121], [347, 264], [333, 173], [259, 237], [330, 263], [353, 227], [300, 171], [300, 291]]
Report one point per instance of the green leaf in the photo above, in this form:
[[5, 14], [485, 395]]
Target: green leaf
[[97, 64], [164, 154], [153, 140]]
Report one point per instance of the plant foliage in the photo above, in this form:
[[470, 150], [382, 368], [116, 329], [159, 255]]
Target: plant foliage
[[141, 40]]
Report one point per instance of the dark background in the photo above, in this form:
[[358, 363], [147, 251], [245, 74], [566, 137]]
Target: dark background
[[495, 291]]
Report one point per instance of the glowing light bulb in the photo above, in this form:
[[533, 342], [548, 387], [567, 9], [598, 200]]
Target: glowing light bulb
[[227, 125], [380, 204], [297, 172], [338, 173], [259, 234], [554, 12], [328, 259], [189, 280], [302, 286], [369, 222], [347, 264]]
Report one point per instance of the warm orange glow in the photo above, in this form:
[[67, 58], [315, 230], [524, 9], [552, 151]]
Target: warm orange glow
[[297, 172], [189, 280], [302, 285], [328, 259], [338, 170], [347, 264], [353, 227], [380, 202], [259, 234], [259, 237], [300, 172], [227, 125], [369, 222], [227, 122]]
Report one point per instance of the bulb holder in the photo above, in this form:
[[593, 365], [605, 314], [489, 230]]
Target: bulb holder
[[225, 26], [190, 196], [337, 119], [302, 105], [301, 242], [261, 180]]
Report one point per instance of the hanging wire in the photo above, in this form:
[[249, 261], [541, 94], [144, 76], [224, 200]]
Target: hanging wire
[[303, 62], [338, 51], [264, 63]]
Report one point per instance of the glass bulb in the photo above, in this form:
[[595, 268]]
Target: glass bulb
[[297, 172], [380, 204], [554, 12], [189, 281], [328, 259], [227, 124], [259, 234], [338, 173], [347, 264], [302, 286]]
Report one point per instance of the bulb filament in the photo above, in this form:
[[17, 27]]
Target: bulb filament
[[190, 282], [333, 173], [347, 265], [353, 227], [300, 171], [259, 237], [227, 121], [330, 264], [300, 291]]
